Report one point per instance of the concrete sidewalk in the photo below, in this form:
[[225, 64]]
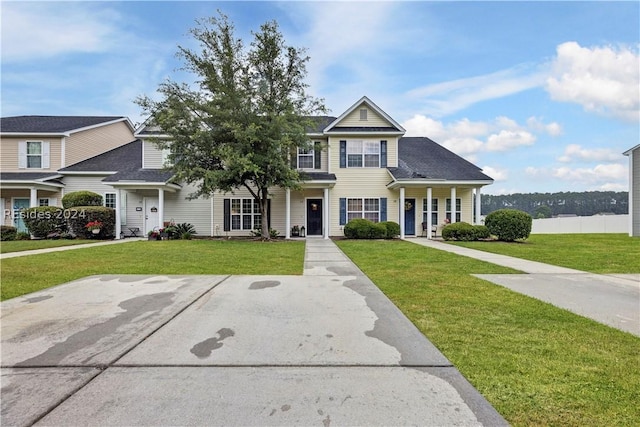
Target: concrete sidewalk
[[67, 248], [319, 349], [610, 299]]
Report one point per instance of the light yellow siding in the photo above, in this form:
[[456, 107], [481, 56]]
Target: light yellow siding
[[89, 143], [373, 119], [9, 160], [151, 156]]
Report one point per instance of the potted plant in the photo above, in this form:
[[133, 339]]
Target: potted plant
[[153, 235], [295, 231], [94, 226]]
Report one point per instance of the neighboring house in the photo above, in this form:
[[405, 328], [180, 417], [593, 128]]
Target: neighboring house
[[35, 148], [634, 190], [359, 166]]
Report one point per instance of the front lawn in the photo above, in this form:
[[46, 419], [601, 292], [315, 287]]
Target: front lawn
[[27, 274], [596, 253], [538, 365], [28, 245]]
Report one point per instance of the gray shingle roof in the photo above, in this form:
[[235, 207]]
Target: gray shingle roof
[[317, 176], [51, 124], [27, 176], [422, 158], [142, 175], [125, 157]]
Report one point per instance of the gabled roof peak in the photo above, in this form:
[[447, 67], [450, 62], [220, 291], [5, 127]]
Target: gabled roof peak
[[372, 105]]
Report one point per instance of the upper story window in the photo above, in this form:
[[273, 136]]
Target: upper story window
[[363, 114], [363, 154], [33, 155], [306, 158]]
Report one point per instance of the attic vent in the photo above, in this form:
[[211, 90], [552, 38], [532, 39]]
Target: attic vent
[[363, 114]]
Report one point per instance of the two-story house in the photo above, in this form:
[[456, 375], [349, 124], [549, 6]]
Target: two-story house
[[359, 166], [35, 148]]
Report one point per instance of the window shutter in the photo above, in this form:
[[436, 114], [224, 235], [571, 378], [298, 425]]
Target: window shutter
[[343, 154], [343, 210], [227, 214], [45, 155], [383, 154], [316, 157], [269, 214], [22, 154], [383, 209], [53, 201]]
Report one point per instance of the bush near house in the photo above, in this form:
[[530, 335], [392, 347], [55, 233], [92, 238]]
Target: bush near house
[[7, 233], [44, 221], [463, 231], [80, 216], [364, 229], [81, 198], [509, 224]]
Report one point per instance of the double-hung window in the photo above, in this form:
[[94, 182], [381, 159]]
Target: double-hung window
[[110, 200], [457, 211], [33, 155], [367, 208], [306, 159], [245, 214], [363, 154], [434, 211]]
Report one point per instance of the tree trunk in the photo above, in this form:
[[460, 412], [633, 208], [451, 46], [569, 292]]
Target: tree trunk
[[264, 203]]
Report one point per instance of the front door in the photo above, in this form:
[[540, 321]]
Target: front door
[[410, 217], [18, 221], [314, 217], [151, 215]]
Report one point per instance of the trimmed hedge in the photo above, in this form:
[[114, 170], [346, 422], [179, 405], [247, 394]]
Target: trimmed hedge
[[509, 224], [42, 221], [81, 198], [79, 216], [7, 233], [464, 231], [364, 229]]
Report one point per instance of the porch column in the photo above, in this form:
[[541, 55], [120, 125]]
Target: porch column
[[478, 205], [118, 219], [160, 208], [429, 211], [33, 197], [453, 205], [325, 213], [401, 212], [287, 213]]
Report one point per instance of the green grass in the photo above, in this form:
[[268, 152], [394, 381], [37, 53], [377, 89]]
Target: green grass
[[28, 245], [22, 275], [595, 253], [537, 364]]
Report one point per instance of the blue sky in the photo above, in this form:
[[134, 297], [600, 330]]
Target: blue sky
[[544, 96]]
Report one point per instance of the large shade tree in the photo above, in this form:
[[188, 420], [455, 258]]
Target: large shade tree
[[247, 112]]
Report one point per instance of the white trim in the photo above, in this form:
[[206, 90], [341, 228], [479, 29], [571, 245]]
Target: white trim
[[435, 183], [325, 214], [88, 172], [287, 213], [429, 211], [371, 105], [63, 152], [476, 219], [401, 212], [631, 191], [454, 205]]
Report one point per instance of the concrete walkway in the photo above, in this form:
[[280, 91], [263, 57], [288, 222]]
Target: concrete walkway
[[319, 349], [610, 299], [67, 248]]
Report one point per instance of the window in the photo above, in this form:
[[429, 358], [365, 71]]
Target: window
[[306, 159], [43, 202], [363, 208], [34, 154], [434, 211], [110, 200], [245, 214], [457, 210], [363, 114], [363, 153]]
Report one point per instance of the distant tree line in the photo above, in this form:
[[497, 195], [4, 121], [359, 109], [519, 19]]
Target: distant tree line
[[547, 205]]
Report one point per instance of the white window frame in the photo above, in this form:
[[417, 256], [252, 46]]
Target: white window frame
[[458, 209], [361, 211], [360, 153], [24, 156], [43, 201], [434, 211], [306, 153], [115, 198], [242, 218]]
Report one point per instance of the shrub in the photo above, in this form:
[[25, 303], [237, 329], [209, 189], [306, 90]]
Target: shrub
[[509, 224], [464, 232], [23, 236], [41, 221], [364, 229], [377, 231], [79, 216], [393, 229], [81, 198], [8, 232]]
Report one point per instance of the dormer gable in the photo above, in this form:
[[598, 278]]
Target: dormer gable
[[364, 117]]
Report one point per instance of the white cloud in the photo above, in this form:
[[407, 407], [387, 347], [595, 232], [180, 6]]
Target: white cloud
[[507, 139], [603, 80], [537, 125], [575, 152], [498, 174], [602, 177]]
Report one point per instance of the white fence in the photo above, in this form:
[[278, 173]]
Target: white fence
[[582, 224]]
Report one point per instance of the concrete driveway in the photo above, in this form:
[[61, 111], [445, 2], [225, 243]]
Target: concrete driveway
[[320, 349]]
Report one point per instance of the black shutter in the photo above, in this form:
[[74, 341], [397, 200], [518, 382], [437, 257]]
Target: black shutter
[[269, 214], [316, 157], [383, 209], [227, 214], [343, 154], [343, 211], [383, 154]]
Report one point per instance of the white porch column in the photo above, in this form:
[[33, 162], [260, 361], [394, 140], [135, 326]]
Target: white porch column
[[287, 213], [118, 219], [160, 208], [429, 211], [325, 213], [453, 205], [401, 212], [33, 197], [478, 205]]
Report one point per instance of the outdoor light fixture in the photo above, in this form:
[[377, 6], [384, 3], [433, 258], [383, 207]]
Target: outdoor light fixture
[[303, 231]]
